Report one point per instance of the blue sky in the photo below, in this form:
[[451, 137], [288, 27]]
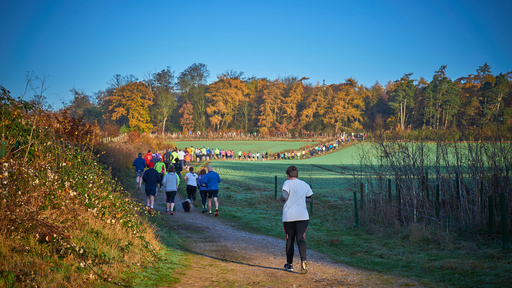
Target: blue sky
[[82, 44]]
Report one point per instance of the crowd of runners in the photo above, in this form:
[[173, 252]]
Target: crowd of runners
[[162, 172], [198, 154]]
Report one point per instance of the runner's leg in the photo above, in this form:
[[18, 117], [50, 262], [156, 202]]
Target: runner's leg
[[301, 227], [289, 231]]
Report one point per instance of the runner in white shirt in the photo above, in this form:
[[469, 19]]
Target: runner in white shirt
[[181, 157], [295, 216], [191, 179]]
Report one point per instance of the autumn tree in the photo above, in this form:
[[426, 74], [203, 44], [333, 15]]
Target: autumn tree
[[272, 96], [224, 97], [165, 100], [132, 101], [291, 100], [80, 103], [187, 117], [192, 83], [347, 106], [314, 107]]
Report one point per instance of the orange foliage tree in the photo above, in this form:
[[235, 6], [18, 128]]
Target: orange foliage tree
[[132, 101], [225, 96], [187, 117]]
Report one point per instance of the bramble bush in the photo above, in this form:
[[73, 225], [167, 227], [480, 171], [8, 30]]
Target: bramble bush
[[63, 218]]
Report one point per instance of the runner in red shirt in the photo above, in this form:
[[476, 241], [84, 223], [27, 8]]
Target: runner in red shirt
[[148, 157]]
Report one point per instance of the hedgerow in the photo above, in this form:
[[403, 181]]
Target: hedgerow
[[63, 219]]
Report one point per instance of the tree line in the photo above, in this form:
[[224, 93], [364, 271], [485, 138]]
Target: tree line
[[478, 104]]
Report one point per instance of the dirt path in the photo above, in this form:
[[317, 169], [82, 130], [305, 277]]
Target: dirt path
[[224, 256]]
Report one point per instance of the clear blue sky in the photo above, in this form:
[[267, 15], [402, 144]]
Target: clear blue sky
[[82, 44]]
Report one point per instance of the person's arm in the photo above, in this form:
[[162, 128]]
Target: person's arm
[[164, 181], [284, 196], [309, 199]]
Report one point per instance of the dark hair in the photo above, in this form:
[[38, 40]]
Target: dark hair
[[140, 154], [191, 169], [203, 172], [171, 168], [292, 171]]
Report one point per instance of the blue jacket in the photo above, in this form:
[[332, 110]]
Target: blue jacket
[[139, 164], [212, 180], [200, 181], [151, 177]]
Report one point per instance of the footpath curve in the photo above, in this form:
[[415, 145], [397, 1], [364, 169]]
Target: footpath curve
[[222, 255]]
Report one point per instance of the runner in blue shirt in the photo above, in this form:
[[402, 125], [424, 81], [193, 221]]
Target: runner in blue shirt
[[212, 183], [139, 164]]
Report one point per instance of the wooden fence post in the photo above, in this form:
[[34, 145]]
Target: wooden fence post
[[504, 222], [275, 188], [438, 204], [356, 214], [362, 196], [426, 186]]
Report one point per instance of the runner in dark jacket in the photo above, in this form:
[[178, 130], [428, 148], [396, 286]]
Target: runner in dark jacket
[[151, 177]]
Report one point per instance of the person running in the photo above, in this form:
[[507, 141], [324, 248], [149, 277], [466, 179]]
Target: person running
[[151, 177], [148, 157], [212, 183], [201, 182], [187, 160], [181, 157], [161, 169], [295, 217], [191, 179], [154, 159], [167, 158], [170, 184], [139, 164]]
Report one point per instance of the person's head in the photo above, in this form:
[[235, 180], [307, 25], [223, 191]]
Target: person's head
[[140, 155], [191, 169], [203, 172], [210, 168], [171, 169], [149, 151], [292, 172], [160, 160], [151, 165]]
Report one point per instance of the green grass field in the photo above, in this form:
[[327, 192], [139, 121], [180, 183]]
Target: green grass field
[[425, 253], [252, 146]]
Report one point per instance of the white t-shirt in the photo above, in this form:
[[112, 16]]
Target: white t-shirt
[[181, 155], [191, 179], [295, 208]]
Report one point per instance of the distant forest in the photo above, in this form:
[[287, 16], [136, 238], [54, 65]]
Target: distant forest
[[475, 106]]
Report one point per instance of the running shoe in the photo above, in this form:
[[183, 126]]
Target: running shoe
[[210, 213], [216, 212], [172, 213], [288, 267], [303, 267], [167, 212]]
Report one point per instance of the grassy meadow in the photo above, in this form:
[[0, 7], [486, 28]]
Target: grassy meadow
[[249, 146], [425, 252]]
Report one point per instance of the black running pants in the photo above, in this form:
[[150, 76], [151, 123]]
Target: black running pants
[[295, 230]]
